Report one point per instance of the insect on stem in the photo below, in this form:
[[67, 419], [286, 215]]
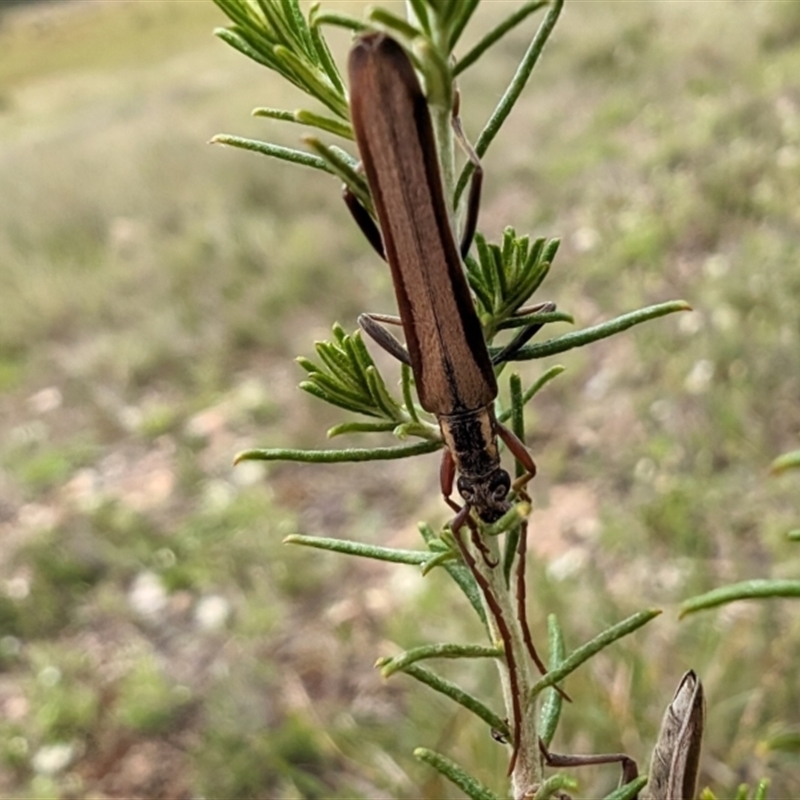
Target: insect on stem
[[445, 346]]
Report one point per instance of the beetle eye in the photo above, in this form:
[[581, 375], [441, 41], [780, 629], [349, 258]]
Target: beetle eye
[[466, 489], [501, 484]]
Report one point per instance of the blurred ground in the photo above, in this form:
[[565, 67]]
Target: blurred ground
[[156, 640]]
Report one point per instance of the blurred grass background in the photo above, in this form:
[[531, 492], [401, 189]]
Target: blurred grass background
[[156, 640]]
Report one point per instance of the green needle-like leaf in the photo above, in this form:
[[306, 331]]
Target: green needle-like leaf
[[344, 167], [338, 399], [248, 45], [551, 708], [438, 560], [382, 18], [419, 15], [586, 651], [327, 124], [463, 578], [761, 789], [464, 9], [544, 317], [360, 427], [406, 379], [404, 660], [513, 91], [544, 379], [339, 20], [471, 787], [359, 549], [496, 34], [458, 695], [350, 455], [579, 338], [312, 80], [555, 786], [786, 462], [274, 151], [629, 791], [758, 589], [326, 60]]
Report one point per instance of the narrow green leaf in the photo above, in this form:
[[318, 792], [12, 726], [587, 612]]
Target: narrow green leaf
[[423, 430], [785, 462], [513, 91], [486, 261], [414, 557], [340, 21], [535, 253], [306, 364], [340, 166], [274, 113], [465, 10], [402, 661], [281, 29], [326, 60], [550, 250], [761, 790], [462, 577], [334, 399], [544, 317], [420, 13], [323, 123], [297, 22], [630, 791], [746, 590], [794, 536], [586, 651], [380, 395], [273, 150], [534, 389], [391, 22], [235, 11], [439, 560], [238, 40], [555, 786], [350, 455], [471, 787], [339, 390], [406, 380], [551, 708], [341, 369], [358, 350], [499, 273], [787, 742], [312, 81], [477, 284], [458, 695], [497, 33], [360, 427], [568, 341]]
